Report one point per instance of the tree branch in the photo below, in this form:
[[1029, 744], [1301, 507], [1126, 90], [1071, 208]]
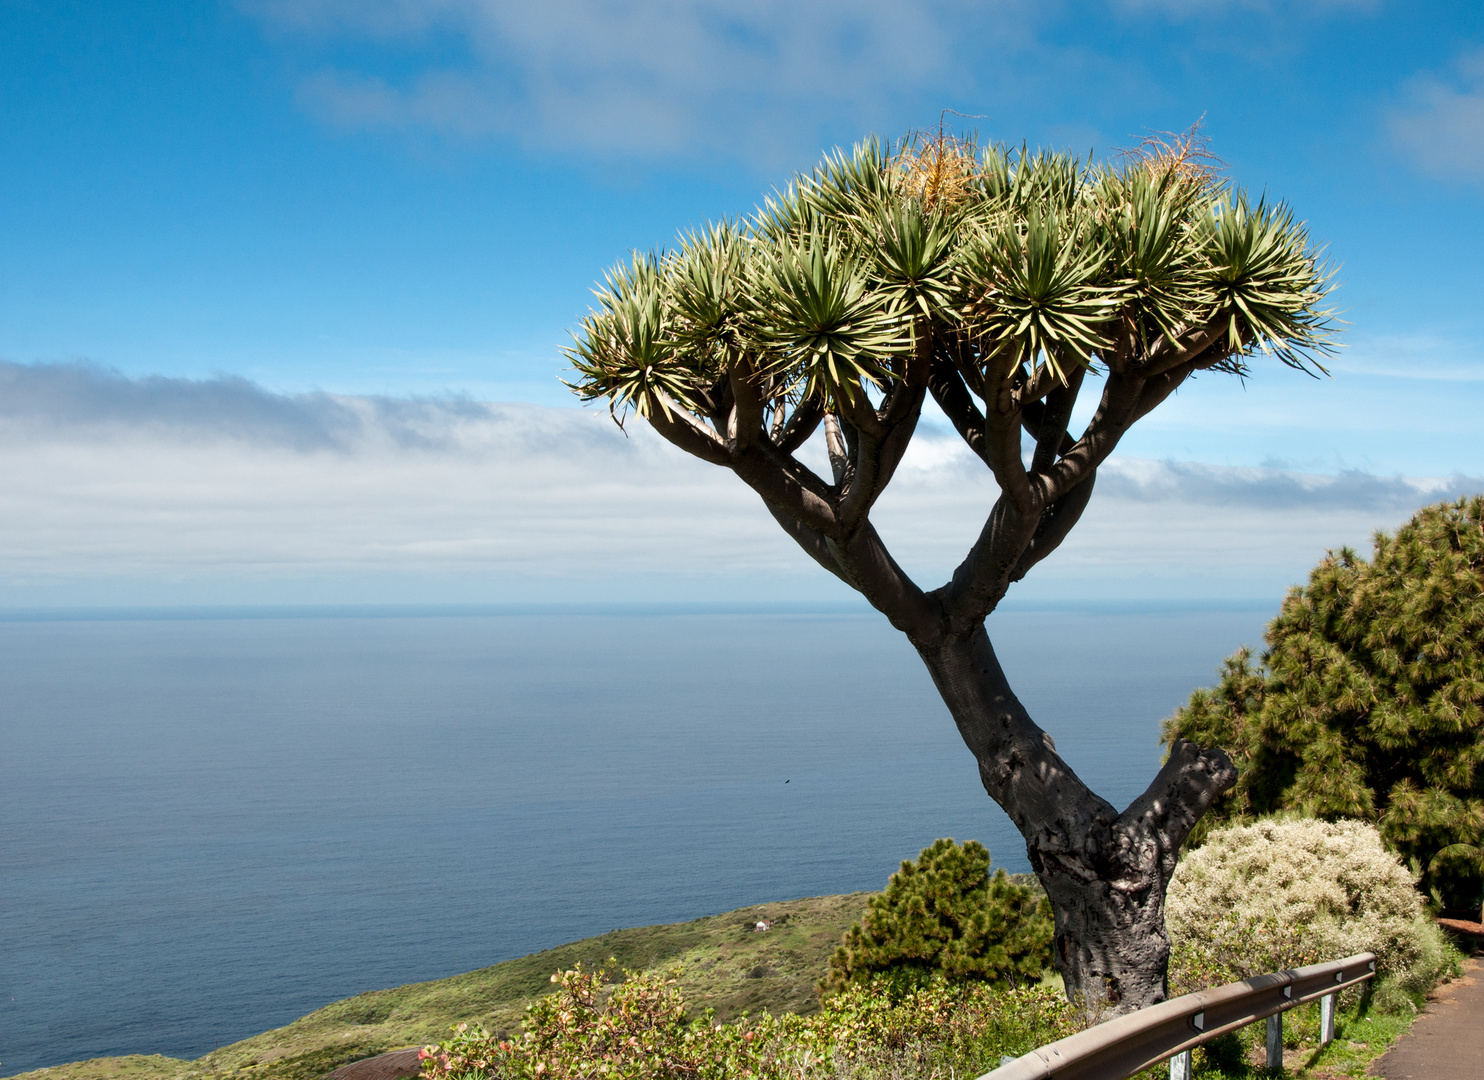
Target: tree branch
[[906, 399], [1057, 520], [894, 447], [721, 401], [860, 414], [960, 353], [745, 423], [1158, 388], [814, 543], [786, 486], [857, 493], [953, 397], [1185, 788], [802, 424], [1002, 446], [1054, 419], [876, 460], [1115, 414], [1018, 763], [884, 584], [980, 581], [1033, 415], [1187, 346], [834, 444], [1043, 381], [676, 425]]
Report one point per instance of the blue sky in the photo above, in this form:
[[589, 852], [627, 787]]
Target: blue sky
[[391, 201]]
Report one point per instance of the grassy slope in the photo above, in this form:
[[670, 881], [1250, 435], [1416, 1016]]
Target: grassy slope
[[725, 963]]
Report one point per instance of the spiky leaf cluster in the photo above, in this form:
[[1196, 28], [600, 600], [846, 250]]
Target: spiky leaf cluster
[[1369, 701], [945, 915], [1028, 259]]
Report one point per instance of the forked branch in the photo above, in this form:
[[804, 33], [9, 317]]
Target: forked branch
[[1190, 781]]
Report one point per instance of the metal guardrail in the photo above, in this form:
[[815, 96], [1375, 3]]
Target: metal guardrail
[[1128, 1044]]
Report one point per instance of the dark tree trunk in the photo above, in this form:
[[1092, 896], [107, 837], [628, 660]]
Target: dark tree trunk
[[1105, 872]]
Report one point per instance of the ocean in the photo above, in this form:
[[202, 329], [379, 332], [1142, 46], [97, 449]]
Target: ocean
[[212, 823]]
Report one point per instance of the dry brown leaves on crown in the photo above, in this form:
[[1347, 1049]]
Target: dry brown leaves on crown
[[1186, 154], [937, 166]]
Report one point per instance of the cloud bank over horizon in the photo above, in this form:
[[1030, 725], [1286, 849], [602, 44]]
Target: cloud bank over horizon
[[166, 490]]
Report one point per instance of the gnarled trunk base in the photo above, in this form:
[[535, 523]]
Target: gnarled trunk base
[[1110, 945], [1105, 872]]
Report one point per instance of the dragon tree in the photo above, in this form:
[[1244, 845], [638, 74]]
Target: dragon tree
[[1006, 285]]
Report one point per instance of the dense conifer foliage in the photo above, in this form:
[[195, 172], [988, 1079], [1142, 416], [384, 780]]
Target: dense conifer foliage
[[1369, 701], [945, 915]]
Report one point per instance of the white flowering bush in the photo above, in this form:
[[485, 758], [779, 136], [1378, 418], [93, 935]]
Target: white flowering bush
[[1282, 893]]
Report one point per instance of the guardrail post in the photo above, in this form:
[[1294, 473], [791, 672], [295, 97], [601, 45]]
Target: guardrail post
[[1275, 1041], [1180, 1066], [1326, 1019]]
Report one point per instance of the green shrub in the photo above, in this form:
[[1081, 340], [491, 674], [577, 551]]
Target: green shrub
[[1369, 701], [945, 915], [1283, 893], [638, 1030]]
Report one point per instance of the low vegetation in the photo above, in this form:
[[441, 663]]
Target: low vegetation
[[1284, 893], [944, 915], [922, 988], [639, 1027]]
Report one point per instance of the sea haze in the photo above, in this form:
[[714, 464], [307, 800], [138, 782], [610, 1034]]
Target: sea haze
[[211, 826]]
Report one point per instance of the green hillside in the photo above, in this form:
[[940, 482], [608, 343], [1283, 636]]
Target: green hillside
[[726, 964]]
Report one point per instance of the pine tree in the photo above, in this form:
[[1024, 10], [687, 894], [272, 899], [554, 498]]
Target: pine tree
[[1369, 701], [946, 915]]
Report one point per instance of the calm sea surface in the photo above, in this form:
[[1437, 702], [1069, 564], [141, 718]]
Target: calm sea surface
[[211, 826]]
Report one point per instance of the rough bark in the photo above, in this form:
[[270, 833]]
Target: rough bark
[[1106, 873]]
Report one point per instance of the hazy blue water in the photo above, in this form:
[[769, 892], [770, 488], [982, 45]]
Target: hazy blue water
[[209, 827]]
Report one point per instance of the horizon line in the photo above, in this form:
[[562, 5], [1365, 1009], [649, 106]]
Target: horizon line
[[617, 608]]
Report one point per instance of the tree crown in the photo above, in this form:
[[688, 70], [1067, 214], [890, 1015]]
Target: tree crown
[[993, 279], [1042, 262]]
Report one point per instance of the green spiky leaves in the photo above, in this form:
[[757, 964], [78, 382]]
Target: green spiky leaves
[[705, 282], [818, 321], [1038, 288], [625, 352], [1039, 261], [1155, 225], [1266, 280]]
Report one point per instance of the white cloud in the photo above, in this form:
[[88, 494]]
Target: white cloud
[[763, 81], [656, 76], [1416, 357], [1441, 123], [220, 489]]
